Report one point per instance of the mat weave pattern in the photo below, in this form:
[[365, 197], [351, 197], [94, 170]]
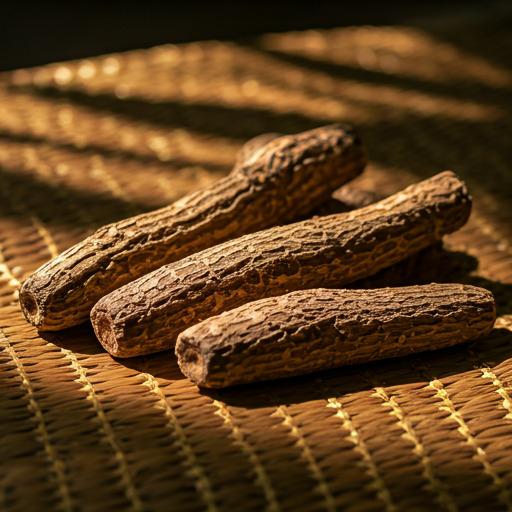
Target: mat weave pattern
[[90, 142]]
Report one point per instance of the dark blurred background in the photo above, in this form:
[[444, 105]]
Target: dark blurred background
[[39, 32]]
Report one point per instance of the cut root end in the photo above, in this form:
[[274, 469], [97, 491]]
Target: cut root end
[[106, 336], [30, 308], [190, 361]]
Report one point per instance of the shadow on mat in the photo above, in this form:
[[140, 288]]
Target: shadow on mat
[[23, 196], [210, 119], [82, 340], [438, 265], [31, 140], [457, 90], [79, 339], [493, 35]]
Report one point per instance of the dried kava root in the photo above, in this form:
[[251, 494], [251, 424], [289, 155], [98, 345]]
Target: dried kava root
[[312, 330]]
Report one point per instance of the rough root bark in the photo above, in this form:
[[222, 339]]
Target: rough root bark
[[148, 314], [275, 181], [312, 330]]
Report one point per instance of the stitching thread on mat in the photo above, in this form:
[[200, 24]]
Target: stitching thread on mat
[[294, 431], [55, 462], [481, 456], [487, 373], [437, 486], [262, 477], [443, 496], [360, 447], [203, 486], [107, 430]]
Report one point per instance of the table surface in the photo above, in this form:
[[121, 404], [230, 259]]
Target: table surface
[[89, 142]]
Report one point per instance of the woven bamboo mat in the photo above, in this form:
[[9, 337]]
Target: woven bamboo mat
[[89, 142]]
